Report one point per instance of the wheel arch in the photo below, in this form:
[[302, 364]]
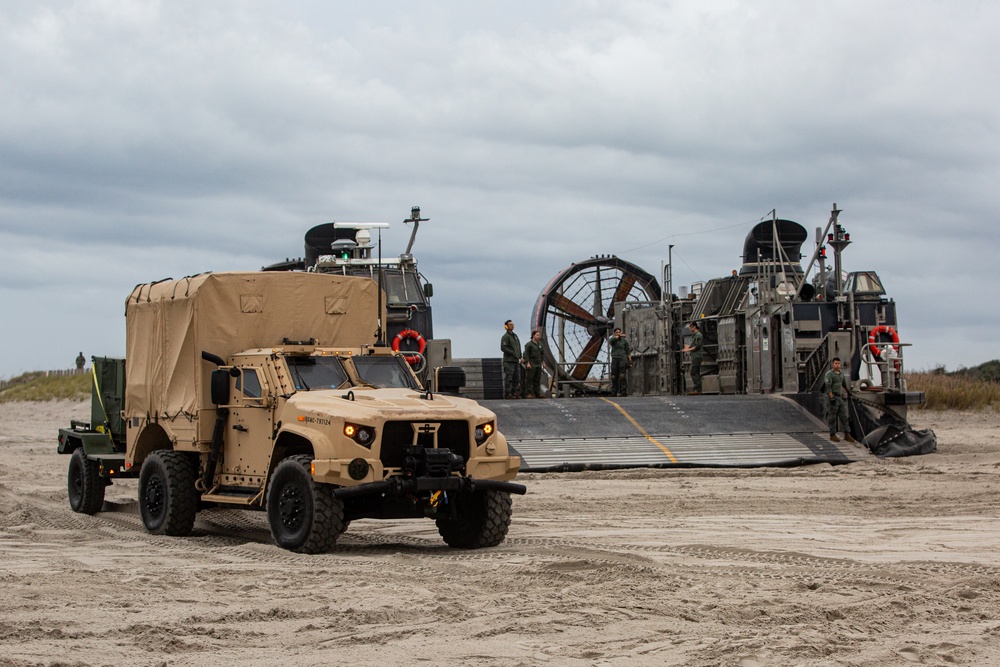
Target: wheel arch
[[152, 438], [70, 443], [289, 443]]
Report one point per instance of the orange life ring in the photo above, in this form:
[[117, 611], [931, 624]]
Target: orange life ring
[[411, 359], [873, 335]]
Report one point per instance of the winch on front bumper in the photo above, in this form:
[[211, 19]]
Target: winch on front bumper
[[429, 469]]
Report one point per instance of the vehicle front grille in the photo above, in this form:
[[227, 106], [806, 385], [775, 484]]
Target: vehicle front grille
[[398, 435]]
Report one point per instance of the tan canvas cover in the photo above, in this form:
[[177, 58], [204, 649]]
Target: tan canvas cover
[[169, 324]]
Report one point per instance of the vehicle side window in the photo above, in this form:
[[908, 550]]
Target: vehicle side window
[[248, 383]]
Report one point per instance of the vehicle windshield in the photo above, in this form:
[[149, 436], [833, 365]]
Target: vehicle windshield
[[402, 289], [311, 373], [385, 372]]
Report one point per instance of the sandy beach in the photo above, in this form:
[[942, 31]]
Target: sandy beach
[[885, 562]]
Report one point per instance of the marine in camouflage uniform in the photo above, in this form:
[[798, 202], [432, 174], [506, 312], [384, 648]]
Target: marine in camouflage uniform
[[835, 385], [510, 346], [621, 359], [533, 363], [696, 348]]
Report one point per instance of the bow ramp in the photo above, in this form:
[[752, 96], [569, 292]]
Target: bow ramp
[[666, 431]]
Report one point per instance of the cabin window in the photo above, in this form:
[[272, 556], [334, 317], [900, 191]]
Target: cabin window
[[249, 383], [384, 372], [312, 373]]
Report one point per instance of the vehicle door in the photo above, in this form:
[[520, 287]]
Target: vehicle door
[[248, 444]]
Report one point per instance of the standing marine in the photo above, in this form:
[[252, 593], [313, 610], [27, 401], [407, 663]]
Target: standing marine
[[696, 348], [836, 391], [533, 364], [510, 346], [621, 360]]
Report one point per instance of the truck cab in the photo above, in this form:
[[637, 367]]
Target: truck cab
[[356, 412]]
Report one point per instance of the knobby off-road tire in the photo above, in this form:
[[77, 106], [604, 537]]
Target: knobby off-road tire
[[304, 516], [482, 520], [168, 500], [85, 486]]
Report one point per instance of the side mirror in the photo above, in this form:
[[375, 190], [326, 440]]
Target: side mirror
[[428, 290], [220, 386]]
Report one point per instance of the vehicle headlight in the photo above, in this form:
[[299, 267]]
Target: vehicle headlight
[[484, 431], [363, 435]]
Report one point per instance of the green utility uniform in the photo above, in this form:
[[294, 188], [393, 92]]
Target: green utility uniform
[[510, 346], [621, 355], [533, 355], [836, 392], [697, 354]]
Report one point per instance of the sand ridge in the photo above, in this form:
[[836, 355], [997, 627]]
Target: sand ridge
[[887, 562]]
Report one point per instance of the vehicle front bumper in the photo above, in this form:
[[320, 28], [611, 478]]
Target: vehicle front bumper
[[405, 486]]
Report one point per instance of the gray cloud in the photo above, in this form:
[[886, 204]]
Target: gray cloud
[[143, 140]]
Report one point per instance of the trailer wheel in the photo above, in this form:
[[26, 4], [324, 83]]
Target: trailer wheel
[[481, 520], [85, 485], [168, 500], [304, 516]]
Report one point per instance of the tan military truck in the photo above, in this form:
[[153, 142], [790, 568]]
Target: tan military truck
[[264, 391]]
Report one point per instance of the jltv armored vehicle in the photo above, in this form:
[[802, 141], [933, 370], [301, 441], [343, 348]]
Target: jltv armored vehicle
[[263, 391]]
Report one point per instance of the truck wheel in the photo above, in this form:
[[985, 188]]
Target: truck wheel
[[86, 487], [481, 520], [304, 516], [168, 500]]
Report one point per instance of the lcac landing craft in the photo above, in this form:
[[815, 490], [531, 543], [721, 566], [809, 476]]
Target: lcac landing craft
[[771, 330]]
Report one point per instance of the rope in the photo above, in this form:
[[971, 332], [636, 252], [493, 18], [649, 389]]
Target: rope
[[100, 399]]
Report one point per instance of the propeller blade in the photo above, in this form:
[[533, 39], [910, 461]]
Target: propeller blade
[[585, 361], [571, 311], [622, 292]]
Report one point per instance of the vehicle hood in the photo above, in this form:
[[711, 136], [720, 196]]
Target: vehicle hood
[[388, 403]]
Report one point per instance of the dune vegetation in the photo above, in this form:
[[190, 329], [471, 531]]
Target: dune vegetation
[[37, 386], [965, 389], [955, 391]]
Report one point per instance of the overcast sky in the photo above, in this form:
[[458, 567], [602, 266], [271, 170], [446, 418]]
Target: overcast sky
[[144, 140]]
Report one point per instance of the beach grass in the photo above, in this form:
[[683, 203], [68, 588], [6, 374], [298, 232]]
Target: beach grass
[[954, 391], [37, 386], [944, 391]]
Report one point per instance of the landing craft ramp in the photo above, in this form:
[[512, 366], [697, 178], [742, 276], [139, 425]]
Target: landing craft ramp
[[571, 434]]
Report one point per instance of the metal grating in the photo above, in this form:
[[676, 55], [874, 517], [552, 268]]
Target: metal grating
[[737, 431], [721, 450]]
